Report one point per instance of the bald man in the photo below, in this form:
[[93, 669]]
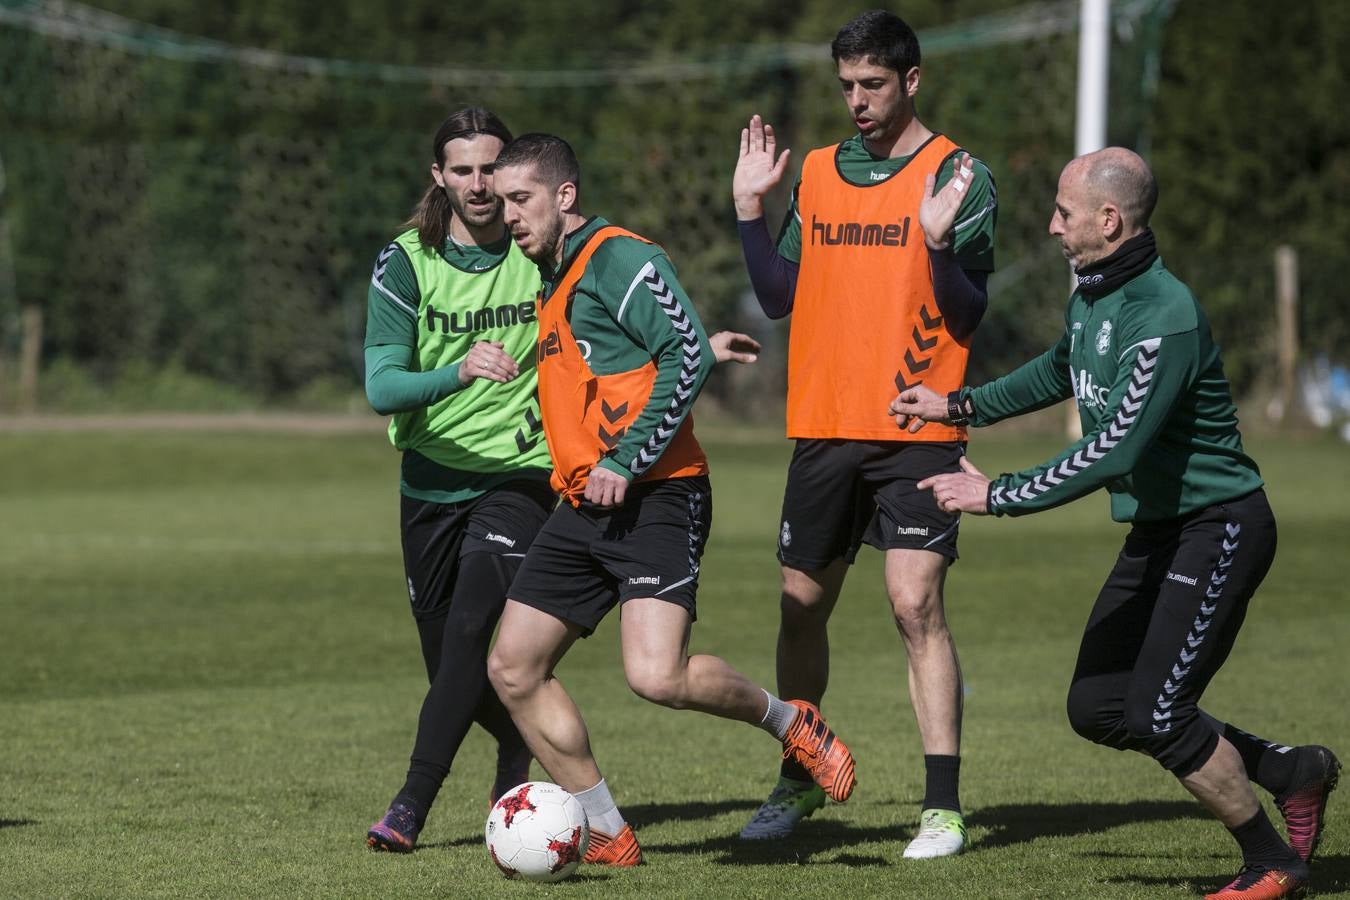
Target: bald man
[[1160, 435]]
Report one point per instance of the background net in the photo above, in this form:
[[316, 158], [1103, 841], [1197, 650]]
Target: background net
[[173, 203]]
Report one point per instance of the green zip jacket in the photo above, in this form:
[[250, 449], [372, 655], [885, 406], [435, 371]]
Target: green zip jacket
[[1159, 425]]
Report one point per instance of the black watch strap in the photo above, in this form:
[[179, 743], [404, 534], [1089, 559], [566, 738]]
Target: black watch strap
[[959, 411]]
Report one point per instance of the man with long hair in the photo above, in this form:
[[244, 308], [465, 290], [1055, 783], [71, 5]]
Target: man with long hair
[[450, 336], [450, 340]]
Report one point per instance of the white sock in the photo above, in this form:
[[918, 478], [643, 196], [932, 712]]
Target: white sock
[[779, 717], [600, 809]]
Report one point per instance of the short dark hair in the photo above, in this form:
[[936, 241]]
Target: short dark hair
[[552, 158], [879, 37]]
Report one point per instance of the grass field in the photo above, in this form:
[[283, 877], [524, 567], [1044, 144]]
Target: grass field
[[209, 684]]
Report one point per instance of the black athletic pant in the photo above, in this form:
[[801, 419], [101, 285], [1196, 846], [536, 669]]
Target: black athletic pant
[[1162, 626], [460, 560], [455, 648]]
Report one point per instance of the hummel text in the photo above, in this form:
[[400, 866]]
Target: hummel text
[[857, 234], [488, 317]]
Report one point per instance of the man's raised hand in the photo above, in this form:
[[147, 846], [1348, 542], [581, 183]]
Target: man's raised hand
[[757, 172], [937, 210]]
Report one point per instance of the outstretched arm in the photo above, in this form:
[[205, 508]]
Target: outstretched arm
[[1151, 374], [1034, 385]]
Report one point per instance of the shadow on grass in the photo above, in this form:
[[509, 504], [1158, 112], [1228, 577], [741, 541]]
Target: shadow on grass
[[1019, 823], [640, 815], [16, 823], [1006, 825], [809, 840], [644, 814], [446, 845], [1330, 877], [1330, 874]]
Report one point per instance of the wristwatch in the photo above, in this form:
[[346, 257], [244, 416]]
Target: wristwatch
[[959, 410]]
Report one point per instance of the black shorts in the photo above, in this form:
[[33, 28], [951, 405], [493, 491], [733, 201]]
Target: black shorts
[[843, 492], [586, 560], [503, 521]]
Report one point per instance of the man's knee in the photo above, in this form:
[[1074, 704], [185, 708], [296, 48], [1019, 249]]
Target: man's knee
[[479, 594], [1090, 717], [474, 626], [806, 603], [657, 684], [1179, 739], [510, 675], [917, 607]]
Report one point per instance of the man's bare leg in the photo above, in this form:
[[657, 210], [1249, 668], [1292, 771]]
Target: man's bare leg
[[529, 645], [658, 666], [914, 581], [1271, 868], [807, 601]]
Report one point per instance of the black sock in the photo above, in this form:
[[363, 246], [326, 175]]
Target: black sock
[[943, 781], [1268, 764], [794, 770], [1262, 845]]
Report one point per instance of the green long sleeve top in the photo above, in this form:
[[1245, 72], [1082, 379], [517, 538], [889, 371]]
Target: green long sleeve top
[[1159, 424]]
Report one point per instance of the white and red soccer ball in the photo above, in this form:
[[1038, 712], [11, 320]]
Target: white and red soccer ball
[[537, 831]]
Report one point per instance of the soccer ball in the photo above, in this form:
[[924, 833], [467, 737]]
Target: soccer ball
[[537, 831]]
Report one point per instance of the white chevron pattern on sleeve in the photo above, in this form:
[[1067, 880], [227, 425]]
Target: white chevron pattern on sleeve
[[1145, 362], [380, 265], [690, 362]]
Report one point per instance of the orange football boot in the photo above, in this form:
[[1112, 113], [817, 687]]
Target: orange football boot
[[1260, 883], [813, 745], [620, 850]]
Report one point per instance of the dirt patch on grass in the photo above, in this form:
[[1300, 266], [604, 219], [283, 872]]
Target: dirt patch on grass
[[304, 423]]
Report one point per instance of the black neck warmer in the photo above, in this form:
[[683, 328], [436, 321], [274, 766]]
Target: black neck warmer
[[1130, 259]]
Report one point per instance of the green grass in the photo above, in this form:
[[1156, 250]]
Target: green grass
[[209, 683]]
